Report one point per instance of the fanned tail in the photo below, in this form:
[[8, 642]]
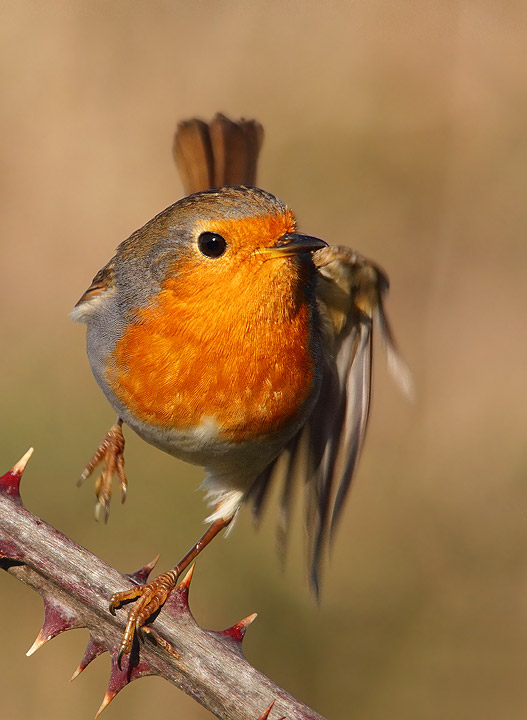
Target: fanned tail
[[222, 152]]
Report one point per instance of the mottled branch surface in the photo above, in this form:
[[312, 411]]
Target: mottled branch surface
[[76, 586]]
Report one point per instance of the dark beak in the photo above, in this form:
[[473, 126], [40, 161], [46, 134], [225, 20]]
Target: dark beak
[[294, 244]]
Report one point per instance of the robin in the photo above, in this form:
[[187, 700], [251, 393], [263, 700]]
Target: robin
[[223, 336]]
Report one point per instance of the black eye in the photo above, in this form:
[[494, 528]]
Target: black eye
[[211, 244]]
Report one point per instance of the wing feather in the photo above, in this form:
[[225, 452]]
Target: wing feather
[[353, 430], [101, 288], [325, 452]]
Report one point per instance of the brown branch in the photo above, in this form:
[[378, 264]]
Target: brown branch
[[76, 585]]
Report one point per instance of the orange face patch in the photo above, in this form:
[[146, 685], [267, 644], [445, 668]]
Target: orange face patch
[[226, 340], [251, 233]]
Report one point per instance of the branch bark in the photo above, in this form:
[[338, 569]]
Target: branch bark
[[76, 585]]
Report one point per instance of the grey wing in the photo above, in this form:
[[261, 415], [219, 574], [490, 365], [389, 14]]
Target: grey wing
[[102, 288], [325, 452]]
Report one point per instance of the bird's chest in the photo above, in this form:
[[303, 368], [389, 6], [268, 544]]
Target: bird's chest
[[238, 372]]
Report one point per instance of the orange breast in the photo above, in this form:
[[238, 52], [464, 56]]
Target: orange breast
[[236, 351]]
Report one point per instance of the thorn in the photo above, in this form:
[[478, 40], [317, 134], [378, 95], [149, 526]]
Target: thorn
[[107, 699], [76, 673], [185, 583], [139, 577], [21, 464], [177, 602], [238, 630], [57, 619], [93, 650], [234, 635], [132, 669], [10, 482], [40, 640], [265, 714], [178, 598]]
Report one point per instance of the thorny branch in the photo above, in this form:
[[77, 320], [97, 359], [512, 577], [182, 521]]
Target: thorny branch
[[75, 585]]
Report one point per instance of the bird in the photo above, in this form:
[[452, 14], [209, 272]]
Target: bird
[[225, 337]]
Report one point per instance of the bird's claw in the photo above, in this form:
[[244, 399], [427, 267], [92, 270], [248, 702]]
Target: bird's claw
[[111, 453], [150, 598]]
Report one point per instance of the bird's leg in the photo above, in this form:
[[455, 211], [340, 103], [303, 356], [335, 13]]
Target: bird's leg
[[111, 454], [151, 597]]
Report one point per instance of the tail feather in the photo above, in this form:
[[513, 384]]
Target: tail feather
[[235, 148], [193, 156], [222, 152]]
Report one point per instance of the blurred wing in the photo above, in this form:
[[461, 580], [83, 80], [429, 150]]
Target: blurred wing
[[325, 452], [222, 152]]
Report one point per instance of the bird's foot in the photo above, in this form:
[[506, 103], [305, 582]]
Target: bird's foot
[[149, 599], [111, 454]]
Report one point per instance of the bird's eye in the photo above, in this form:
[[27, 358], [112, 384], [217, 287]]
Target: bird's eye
[[211, 244]]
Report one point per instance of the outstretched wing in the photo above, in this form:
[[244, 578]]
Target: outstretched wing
[[325, 452]]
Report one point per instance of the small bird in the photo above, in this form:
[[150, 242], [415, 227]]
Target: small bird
[[223, 336]]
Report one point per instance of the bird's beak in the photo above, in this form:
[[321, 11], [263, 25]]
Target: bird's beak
[[293, 244]]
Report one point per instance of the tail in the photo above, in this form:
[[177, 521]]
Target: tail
[[222, 152]]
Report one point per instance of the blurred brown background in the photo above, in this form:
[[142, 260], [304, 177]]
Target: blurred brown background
[[397, 128]]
